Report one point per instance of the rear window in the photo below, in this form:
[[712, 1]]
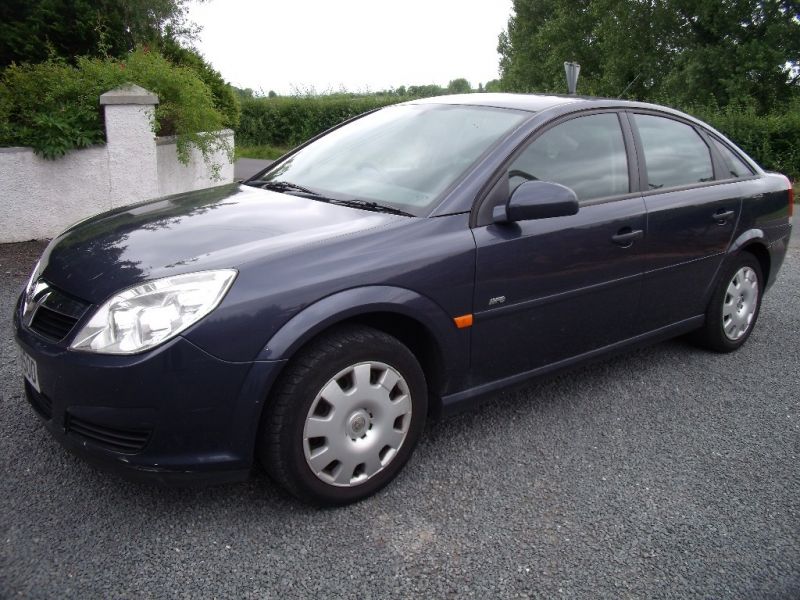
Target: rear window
[[675, 155]]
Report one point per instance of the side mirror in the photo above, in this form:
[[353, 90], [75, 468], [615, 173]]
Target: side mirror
[[537, 200]]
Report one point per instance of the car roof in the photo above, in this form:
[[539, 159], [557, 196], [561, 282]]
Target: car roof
[[527, 102], [536, 103], [541, 102]]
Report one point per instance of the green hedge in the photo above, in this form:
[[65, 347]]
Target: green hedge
[[771, 139], [54, 106], [289, 121]]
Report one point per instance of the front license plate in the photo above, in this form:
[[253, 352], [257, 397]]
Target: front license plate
[[30, 370]]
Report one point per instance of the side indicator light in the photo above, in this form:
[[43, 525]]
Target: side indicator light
[[463, 321]]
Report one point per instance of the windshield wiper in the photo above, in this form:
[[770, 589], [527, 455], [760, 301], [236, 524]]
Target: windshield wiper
[[369, 205], [281, 186], [288, 186]]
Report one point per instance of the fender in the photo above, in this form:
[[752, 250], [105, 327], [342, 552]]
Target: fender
[[452, 342], [742, 239], [748, 236], [776, 249]]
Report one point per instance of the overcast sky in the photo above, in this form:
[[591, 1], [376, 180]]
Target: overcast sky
[[359, 45]]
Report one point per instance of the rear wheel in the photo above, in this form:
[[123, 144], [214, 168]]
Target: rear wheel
[[734, 306], [345, 417]]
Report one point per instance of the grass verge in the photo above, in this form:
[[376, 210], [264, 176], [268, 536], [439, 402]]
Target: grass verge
[[262, 152]]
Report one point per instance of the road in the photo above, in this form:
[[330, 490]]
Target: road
[[244, 168], [667, 472]]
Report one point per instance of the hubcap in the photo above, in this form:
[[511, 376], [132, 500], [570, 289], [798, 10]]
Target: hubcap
[[357, 423], [740, 303]]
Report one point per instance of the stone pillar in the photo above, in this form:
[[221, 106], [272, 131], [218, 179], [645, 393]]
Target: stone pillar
[[131, 145]]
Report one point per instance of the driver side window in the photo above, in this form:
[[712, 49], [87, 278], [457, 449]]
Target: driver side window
[[586, 154]]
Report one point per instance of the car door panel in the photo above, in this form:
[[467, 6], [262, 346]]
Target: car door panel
[[554, 288], [690, 226], [688, 233]]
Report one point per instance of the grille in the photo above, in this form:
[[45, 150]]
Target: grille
[[119, 440], [52, 324], [40, 403], [56, 314]]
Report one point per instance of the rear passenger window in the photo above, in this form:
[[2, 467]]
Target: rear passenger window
[[674, 153], [735, 166], [586, 154]]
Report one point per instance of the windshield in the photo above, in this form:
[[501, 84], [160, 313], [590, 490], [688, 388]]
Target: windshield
[[401, 157]]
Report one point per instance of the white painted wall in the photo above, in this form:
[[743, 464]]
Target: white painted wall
[[175, 177], [40, 198]]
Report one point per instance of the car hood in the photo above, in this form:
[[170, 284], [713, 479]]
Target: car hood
[[221, 227]]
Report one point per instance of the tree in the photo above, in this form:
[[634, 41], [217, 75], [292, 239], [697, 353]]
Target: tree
[[459, 86], [425, 91], [34, 30], [682, 51]]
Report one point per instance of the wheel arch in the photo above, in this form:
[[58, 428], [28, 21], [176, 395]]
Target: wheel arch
[[418, 322], [754, 242]]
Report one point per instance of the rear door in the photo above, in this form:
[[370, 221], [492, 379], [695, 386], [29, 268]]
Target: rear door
[[692, 211], [551, 289]]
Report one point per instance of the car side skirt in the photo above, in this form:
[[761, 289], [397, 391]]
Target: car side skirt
[[452, 404]]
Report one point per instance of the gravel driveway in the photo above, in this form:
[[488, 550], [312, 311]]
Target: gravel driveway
[[664, 473]]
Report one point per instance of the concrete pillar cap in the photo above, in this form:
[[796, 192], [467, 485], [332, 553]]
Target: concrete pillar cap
[[128, 94]]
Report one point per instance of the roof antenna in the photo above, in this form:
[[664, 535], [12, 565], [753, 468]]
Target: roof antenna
[[572, 69], [627, 87]]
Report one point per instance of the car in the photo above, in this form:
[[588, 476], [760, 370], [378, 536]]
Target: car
[[401, 266]]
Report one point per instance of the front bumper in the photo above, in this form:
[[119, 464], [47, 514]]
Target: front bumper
[[175, 414]]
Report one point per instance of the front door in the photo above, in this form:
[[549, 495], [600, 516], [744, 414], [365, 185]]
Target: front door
[[551, 289]]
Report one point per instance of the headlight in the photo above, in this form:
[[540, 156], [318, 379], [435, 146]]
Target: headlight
[[151, 313], [37, 271]]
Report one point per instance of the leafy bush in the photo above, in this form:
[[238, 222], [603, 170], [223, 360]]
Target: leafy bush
[[54, 107], [225, 99], [288, 121]]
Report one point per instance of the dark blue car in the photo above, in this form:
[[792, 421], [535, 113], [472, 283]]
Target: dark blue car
[[404, 264]]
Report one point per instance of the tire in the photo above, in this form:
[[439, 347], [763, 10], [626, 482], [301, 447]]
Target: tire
[[734, 306], [355, 396]]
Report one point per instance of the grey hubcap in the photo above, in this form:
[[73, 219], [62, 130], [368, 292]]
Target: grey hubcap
[[357, 424], [740, 303]]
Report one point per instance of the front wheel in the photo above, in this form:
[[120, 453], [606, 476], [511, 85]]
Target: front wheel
[[345, 417], [734, 306]]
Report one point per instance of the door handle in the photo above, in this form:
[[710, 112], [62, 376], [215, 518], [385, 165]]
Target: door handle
[[626, 236], [723, 216]]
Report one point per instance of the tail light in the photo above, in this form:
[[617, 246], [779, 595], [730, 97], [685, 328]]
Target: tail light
[[790, 193]]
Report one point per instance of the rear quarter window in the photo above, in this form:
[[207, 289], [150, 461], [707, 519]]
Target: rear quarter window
[[735, 166]]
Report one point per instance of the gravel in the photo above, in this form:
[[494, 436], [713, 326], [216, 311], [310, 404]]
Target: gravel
[[667, 472]]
